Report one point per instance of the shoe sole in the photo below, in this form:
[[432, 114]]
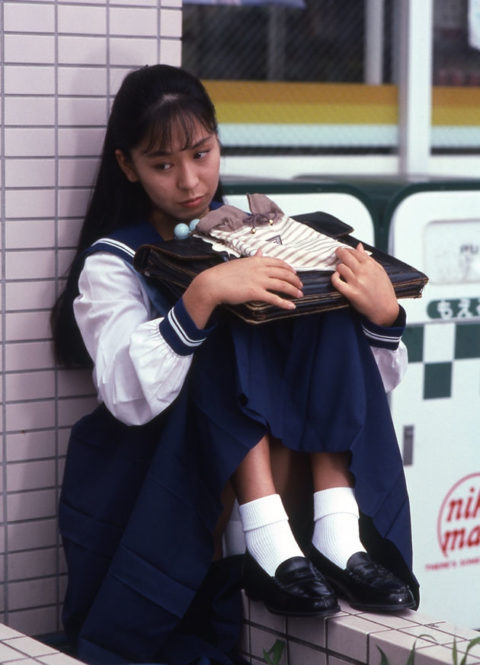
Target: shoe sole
[[273, 610], [380, 608], [365, 607], [319, 615]]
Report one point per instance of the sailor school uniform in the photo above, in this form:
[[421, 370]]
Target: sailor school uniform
[[179, 409]]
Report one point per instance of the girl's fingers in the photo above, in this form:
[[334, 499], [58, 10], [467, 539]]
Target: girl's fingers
[[274, 299], [279, 282], [345, 271], [280, 286], [252, 279], [352, 256], [283, 304], [347, 257], [275, 269], [287, 277], [339, 284]]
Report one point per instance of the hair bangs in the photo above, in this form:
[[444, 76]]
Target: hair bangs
[[176, 117]]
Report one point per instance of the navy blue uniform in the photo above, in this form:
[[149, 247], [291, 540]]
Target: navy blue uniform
[[139, 503]]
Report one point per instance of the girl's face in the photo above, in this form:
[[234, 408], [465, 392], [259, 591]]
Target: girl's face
[[179, 181]]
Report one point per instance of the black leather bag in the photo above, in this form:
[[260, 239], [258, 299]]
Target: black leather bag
[[174, 264]]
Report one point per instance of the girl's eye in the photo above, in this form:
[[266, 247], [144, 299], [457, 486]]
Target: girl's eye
[[201, 154], [162, 166]]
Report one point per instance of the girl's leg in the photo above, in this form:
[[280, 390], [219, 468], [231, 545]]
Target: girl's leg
[[268, 536], [228, 500], [292, 480], [253, 477], [336, 527], [292, 476], [331, 470], [337, 549], [275, 568], [280, 470], [270, 471]]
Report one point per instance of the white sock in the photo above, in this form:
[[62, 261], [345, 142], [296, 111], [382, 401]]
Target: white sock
[[336, 531], [233, 537], [268, 535]]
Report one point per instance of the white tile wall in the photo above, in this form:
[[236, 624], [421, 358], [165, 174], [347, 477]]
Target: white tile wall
[[62, 61], [27, 110]]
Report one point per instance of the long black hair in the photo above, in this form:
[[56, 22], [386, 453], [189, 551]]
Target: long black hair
[[150, 102]]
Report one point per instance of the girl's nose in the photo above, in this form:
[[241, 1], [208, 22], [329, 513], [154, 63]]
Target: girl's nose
[[187, 177]]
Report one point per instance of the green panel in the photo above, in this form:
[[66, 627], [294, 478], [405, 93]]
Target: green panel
[[413, 338], [387, 192], [467, 340], [437, 381], [232, 185], [381, 195]]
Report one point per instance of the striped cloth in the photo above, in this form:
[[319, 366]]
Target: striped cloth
[[271, 231]]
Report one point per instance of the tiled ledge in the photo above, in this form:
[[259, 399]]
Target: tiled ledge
[[348, 638], [354, 638], [18, 649]]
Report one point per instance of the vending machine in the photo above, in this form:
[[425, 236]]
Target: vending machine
[[436, 408]]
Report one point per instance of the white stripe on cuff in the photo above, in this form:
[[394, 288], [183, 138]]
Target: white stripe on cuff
[[188, 341], [392, 339]]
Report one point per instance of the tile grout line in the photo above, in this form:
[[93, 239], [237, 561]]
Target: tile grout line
[[4, 317], [57, 277]]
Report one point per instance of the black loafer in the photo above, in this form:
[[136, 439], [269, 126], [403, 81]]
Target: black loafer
[[297, 588], [365, 584]]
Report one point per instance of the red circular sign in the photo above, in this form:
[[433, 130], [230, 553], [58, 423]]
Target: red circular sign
[[458, 526]]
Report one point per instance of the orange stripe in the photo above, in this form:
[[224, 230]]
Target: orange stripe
[[456, 106], [329, 103], [293, 93], [304, 103]]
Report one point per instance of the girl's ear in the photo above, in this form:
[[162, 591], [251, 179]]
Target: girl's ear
[[126, 166]]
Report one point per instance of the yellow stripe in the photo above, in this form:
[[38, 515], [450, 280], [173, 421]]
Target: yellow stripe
[[267, 91], [254, 112], [456, 106], [327, 103], [318, 103]]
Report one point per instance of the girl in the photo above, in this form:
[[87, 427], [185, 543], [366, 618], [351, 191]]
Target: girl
[[193, 403]]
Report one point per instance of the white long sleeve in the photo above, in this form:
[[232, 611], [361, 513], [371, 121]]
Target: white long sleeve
[[136, 371], [389, 351], [140, 360], [392, 365]]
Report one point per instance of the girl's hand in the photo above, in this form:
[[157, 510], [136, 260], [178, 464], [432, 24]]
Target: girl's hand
[[365, 283], [239, 281]]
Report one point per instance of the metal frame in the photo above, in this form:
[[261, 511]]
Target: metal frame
[[415, 85], [413, 28]]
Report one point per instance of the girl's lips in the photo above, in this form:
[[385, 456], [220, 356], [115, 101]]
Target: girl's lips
[[192, 203]]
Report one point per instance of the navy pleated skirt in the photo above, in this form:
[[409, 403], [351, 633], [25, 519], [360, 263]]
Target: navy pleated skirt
[[139, 546]]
